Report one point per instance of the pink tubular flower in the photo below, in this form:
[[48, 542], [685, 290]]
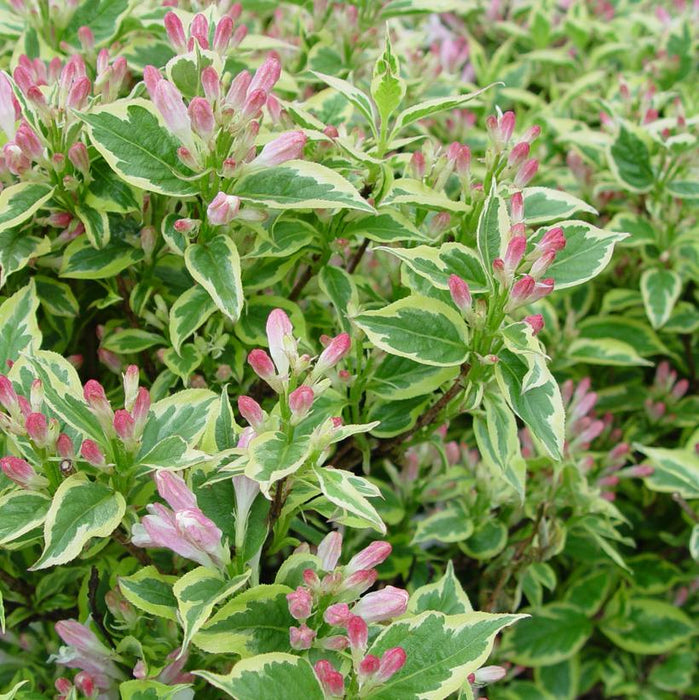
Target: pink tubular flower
[[22, 473], [329, 550], [286, 147], [300, 402], [251, 411], [369, 665], [85, 683], [518, 154], [358, 582], [92, 454], [514, 253], [223, 209], [96, 397], [175, 32], [64, 447], [522, 291], [536, 321], [168, 101], [336, 349], [526, 172], [222, 34], [554, 239], [211, 84], [202, 117], [124, 425], [369, 557], [238, 91], [517, 208], [392, 661], [332, 681], [151, 77], [302, 637], [337, 615], [460, 293], [78, 156], [174, 490], [28, 140], [199, 31], [8, 395], [382, 605], [9, 109], [37, 429], [357, 632], [77, 97], [542, 263], [300, 603]]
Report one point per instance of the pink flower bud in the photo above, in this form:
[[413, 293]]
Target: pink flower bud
[[279, 335], [302, 637], [238, 91], [357, 632], [332, 681], [369, 665], [680, 389], [81, 638], [337, 642], [36, 426], [392, 661], [262, 364], [175, 32], [151, 77], [382, 605], [78, 156], [124, 425], [488, 674], [329, 550], [222, 34], [518, 154], [300, 401], [187, 226], [641, 470], [130, 381], [526, 172], [417, 165], [251, 411], [223, 209], [532, 133], [211, 84], [202, 117], [611, 480], [286, 147], [27, 139], [64, 447], [359, 581], [92, 454], [440, 223], [536, 321], [460, 293], [22, 473], [63, 686], [337, 615], [246, 437], [542, 263], [517, 208], [9, 109], [238, 35], [543, 288], [506, 126], [522, 290], [310, 578], [336, 349], [554, 239], [168, 101], [87, 41], [267, 74], [300, 603], [199, 30], [8, 396], [254, 103], [369, 557], [514, 253], [85, 684], [140, 409], [77, 97]]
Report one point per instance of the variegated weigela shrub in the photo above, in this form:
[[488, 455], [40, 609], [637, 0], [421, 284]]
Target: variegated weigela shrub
[[323, 324]]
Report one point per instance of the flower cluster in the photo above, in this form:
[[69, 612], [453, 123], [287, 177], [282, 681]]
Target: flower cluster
[[338, 602], [182, 528]]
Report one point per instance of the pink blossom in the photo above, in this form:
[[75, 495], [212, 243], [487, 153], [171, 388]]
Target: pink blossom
[[238, 90], [28, 140], [357, 632], [514, 253], [222, 34], [9, 108], [302, 637], [175, 32], [251, 411], [359, 581], [337, 615], [369, 665], [168, 100], [211, 84], [518, 154], [382, 605], [329, 550], [223, 209], [124, 425], [392, 660], [267, 74], [92, 454], [369, 557], [300, 603], [174, 490], [280, 338], [536, 321], [336, 349], [202, 117], [332, 681], [37, 428], [526, 172], [300, 402], [199, 31], [286, 147], [460, 293], [22, 473], [262, 364]]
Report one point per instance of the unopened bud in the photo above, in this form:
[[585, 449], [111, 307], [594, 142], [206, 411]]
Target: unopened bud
[[92, 454]]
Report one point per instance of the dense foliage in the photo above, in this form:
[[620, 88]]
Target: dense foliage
[[348, 349]]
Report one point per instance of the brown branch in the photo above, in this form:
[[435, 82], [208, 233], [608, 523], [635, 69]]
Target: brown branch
[[92, 587], [685, 507], [357, 257], [136, 552], [305, 278]]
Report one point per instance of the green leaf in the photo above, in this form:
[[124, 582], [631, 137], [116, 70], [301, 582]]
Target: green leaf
[[171, 453], [96, 223], [648, 626], [427, 108], [605, 351], [487, 541], [131, 137], [675, 672], [413, 192], [555, 632], [189, 312], [103, 17], [153, 690], [184, 362], [197, 593], [587, 252], [541, 407], [498, 441], [57, 297], [445, 595], [131, 340], [21, 512], [272, 457], [387, 86], [216, 266], [255, 622], [353, 94], [2, 614], [561, 680], [448, 525], [543, 204], [20, 330], [18, 202], [458, 645], [279, 676], [398, 378], [108, 192], [588, 592], [660, 290], [683, 189], [17, 248], [298, 184], [636, 333], [339, 287], [629, 161], [421, 329], [82, 261], [81, 509], [349, 492], [150, 591], [386, 226], [675, 470], [493, 228]]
